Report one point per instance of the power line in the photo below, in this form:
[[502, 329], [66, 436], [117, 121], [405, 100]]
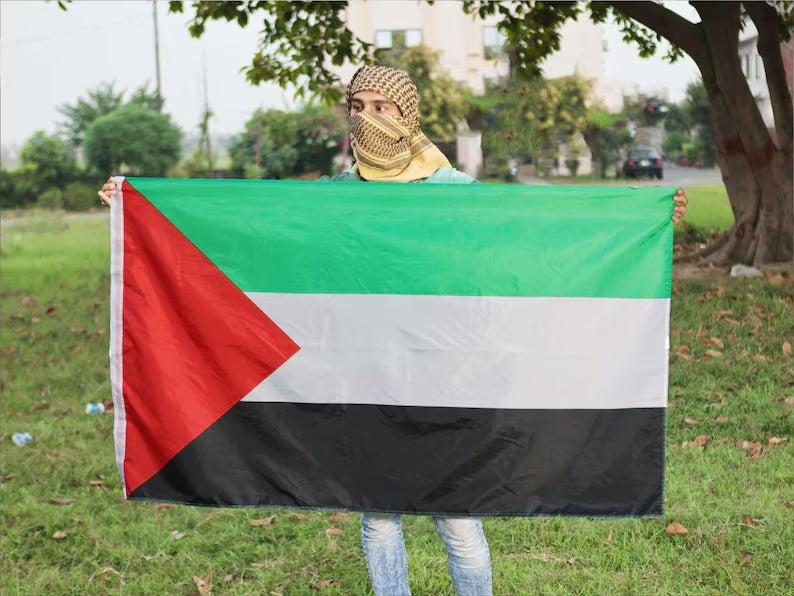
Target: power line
[[72, 33]]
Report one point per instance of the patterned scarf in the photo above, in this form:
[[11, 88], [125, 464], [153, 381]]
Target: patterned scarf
[[391, 148]]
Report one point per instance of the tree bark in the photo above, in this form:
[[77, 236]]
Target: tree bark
[[757, 171]]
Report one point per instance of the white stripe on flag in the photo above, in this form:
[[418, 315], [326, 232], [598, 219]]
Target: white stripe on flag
[[470, 352], [116, 324]]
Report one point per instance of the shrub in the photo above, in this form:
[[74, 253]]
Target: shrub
[[52, 198], [79, 196]]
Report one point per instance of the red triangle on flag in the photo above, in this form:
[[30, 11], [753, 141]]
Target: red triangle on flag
[[193, 344]]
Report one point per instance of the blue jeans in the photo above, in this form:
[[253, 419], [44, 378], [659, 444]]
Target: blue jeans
[[467, 554]]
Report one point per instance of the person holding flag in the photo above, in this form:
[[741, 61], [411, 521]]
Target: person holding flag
[[389, 146]]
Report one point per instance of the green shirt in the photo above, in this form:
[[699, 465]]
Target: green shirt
[[440, 176]]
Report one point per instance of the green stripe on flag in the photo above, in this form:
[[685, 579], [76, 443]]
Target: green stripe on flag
[[428, 239]]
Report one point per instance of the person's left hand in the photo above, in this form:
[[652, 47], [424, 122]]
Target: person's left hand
[[679, 211]]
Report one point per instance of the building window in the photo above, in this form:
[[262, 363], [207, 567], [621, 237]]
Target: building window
[[746, 65], [492, 42], [399, 39]]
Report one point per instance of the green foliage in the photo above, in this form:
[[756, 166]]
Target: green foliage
[[100, 102], [150, 100], [688, 126], [52, 198], [138, 141], [79, 196], [46, 164], [674, 142], [526, 119], [79, 115], [299, 42], [51, 159], [607, 135], [442, 102], [52, 367], [288, 143]]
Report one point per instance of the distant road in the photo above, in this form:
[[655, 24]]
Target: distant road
[[677, 176], [673, 176]]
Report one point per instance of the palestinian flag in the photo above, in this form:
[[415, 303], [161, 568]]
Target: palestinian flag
[[478, 349]]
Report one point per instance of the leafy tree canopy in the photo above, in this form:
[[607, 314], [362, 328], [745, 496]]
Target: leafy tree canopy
[[276, 144], [47, 161], [530, 118], [443, 100], [140, 141], [98, 102]]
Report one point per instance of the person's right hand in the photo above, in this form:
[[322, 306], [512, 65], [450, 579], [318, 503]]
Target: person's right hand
[[108, 191]]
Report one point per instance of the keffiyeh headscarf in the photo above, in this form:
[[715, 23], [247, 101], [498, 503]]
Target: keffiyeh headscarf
[[391, 148]]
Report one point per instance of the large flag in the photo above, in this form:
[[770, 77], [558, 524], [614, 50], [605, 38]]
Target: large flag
[[458, 349]]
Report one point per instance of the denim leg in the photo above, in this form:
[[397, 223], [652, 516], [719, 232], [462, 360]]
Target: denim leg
[[384, 549], [468, 555]]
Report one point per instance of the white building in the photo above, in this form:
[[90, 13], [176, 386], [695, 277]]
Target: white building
[[470, 49], [753, 69]]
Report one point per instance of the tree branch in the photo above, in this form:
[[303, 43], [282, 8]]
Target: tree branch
[[766, 20], [673, 27]]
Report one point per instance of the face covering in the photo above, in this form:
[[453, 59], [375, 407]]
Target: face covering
[[391, 148]]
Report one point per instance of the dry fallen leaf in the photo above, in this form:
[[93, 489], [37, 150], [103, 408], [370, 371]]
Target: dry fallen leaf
[[790, 504], [333, 532], [786, 347], [326, 583], [777, 441], [265, 521], [750, 522], [676, 529], [690, 421], [714, 353], [27, 301], [713, 341], [177, 535], [298, 516], [100, 484], [670, 404], [52, 311], [700, 441], [203, 585], [754, 449], [9, 350], [722, 440], [161, 506], [721, 420], [61, 500], [59, 535], [340, 516]]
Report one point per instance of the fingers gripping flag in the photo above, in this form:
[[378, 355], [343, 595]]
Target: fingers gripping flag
[[477, 349]]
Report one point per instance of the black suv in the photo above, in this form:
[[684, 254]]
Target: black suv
[[643, 162]]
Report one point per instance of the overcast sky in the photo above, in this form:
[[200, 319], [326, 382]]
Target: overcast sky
[[48, 57]]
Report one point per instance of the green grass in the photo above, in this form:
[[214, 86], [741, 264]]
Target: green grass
[[54, 363], [709, 209]]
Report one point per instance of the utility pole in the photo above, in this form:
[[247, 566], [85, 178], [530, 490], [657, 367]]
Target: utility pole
[[157, 56], [206, 119]]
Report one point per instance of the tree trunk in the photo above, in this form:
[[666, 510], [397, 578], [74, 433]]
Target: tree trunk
[[757, 172]]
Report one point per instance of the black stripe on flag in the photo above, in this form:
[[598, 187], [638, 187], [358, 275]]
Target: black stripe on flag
[[422, 460]]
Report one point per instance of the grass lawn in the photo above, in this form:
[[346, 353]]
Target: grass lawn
[[730, 381]]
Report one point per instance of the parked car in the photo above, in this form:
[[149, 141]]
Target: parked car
[[643, 162]]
